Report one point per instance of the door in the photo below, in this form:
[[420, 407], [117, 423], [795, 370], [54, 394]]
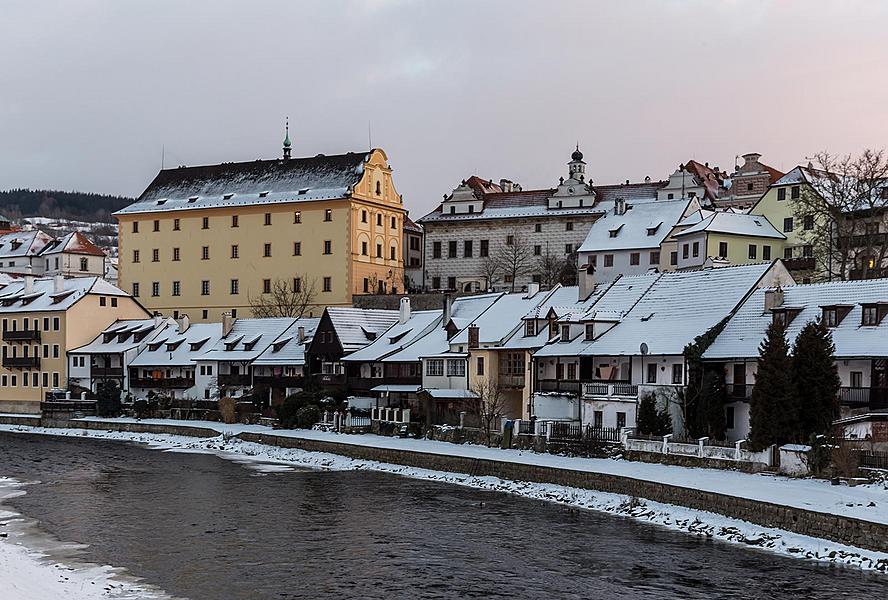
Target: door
[[879, 384]]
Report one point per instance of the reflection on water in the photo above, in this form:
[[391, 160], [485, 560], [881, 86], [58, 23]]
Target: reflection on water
[[207, 528]]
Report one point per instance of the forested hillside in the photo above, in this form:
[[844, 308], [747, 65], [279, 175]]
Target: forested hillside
[[77, 206]]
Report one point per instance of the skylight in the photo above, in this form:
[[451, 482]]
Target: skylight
[[263, 194], [193, 199], [228, 196]]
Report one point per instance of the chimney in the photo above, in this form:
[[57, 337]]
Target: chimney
[[404, 310], [158, 319], [773, 298], [227, 323], [184, 323], [474, 333], [29, 281], [586, 281], [446, 311], [300, 334], [532, 290], [619, 206], [58, 284], [506, 185]]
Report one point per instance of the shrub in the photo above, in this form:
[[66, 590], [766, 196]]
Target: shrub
[[108, 398], [228, 409], [307, 416]]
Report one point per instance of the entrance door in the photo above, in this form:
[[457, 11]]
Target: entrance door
[[879, 384]]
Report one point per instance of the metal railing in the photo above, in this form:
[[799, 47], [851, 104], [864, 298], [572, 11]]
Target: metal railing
[[106, 371], [511, 380], [597, 389], [25, 335], [22, 362], [558, 385], [567, 432], [162, 382], [739, 390]]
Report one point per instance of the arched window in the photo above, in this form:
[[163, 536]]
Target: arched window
[[378, 188]]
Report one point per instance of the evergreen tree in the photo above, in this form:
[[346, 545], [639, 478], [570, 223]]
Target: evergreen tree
[[695, 416], [815, 379], [646, 421], [773, 417], [711, 405]]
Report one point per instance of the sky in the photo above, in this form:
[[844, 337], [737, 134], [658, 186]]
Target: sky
[[94, 94]]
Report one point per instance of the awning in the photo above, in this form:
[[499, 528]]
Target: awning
[[395, 388]]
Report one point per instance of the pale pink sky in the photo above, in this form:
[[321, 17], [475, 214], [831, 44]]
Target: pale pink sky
[[91, 90]]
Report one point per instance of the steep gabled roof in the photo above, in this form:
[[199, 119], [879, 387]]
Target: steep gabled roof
[[14, 298], [72, 243], [247, 339], [357, 327], [287, 349], [251, 183], [633, 228], [734, 224]]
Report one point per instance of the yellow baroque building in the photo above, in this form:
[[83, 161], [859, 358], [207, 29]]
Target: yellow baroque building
[[207, 240]]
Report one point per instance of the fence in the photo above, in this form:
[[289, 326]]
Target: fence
[[561, 431], [390, 415], [872, 459]]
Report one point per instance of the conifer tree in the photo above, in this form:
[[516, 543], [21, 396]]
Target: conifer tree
[[815, 379], [773, 417], [711, 408], [646, 421]]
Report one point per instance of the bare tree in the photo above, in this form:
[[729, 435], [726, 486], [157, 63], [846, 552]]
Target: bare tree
[[490, 269], [514, 258], [844, 212], [490, 403], [550, 269], [285, 299]]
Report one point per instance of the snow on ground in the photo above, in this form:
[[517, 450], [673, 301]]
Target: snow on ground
[[30, 574], [701, 523]]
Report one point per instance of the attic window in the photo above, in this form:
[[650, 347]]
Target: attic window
[[303, 191], [396, 338], [565, 333], [653, 230], [278, 345], [170, 347], [263, 194], [785, 315], [161, 202], [648, 318], [56, 298], [873, 314], [228, 196], [194, 346], [615, 231], [370, 335], [757, 222], [832, 316], [229, 346], [530, 328], [193, 199], [9, 301], [154, 346], [250, 344]]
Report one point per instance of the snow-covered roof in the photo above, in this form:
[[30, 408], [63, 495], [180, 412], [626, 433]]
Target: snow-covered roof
[[503, 318], [194, 342], [286, 349], [448, 394], [463, 309], [395, 388], [734, 224], [398, 336], [357, 327], [72, 243], [746, 329], [643, 225], [251, 183], [247, 340], [23, 243], [123, 335], [43, 298], [676, 308]]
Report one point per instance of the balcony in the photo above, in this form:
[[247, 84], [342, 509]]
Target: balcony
[[608, 390], [330, 378], [281, 381], [22, 362], [800, 263], [738, 391], [164, 383], [27, 335], [510, 380], [864, 397], [558, 385], [116, 372], [235, 380]]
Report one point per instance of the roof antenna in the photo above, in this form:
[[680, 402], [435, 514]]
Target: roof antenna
[[162, 155], [369, 135]]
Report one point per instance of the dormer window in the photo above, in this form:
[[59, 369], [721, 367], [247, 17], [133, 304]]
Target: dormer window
[[565, 333], [553, 327], [590, 332], [830, 317], [530, 328], [784, 316], [452, 210], [872, 314], [653, 230]]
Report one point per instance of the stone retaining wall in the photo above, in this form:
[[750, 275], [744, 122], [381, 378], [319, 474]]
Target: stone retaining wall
[[845, 530]]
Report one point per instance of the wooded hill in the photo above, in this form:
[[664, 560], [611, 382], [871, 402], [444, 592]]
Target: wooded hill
[[75, 206]]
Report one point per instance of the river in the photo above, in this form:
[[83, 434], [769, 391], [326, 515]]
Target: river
[[206, 528]]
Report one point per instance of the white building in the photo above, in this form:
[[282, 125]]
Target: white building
[[281, 367], [73, 255], [855, 313], [19, 251]]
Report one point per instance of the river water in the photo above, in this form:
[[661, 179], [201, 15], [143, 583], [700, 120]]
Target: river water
[[202, 527]]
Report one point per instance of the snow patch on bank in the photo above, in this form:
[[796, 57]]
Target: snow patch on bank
[[267, 459], [28, 570]]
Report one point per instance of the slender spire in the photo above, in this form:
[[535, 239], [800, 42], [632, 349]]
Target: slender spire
[[287, 143]]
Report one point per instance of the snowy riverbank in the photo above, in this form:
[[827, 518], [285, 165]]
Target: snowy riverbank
[[27, 571], [691, 521]]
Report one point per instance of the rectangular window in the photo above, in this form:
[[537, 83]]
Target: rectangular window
[[155, 255], [297, 248], [621, 419], [781, 194], [55, 380], [787, 253], [830, 317], [135, 227], [328, 214], [135, 289], [565, 333], [808, 222], [235, 287], [685, 250], [378, 250], [266, 249], [673, 258], [297, 285], [634, 258], [435, 367], [529, 328], [234, 221], [363, 248], [568, 226], [870, 315], [537, 250], [267, 218], [608, 260], [572, 371], [484, 248], [436, 249], [205, 253], [538, 228], [266, 286], [205, 223], [394, 223], [235, 251], [176, 255], [451, 283], [651, 373], [84, 264], [156, 225], [723, 249], [176, 224], [807, 251], [677, 374], [568, 248], [753, 252], [297, 217], [328, 284], [177, 288], [55, 350], [456, 368], [451, 249], [155, 288], [510, 240], [204, 288], [467, 248], [136, 256], [379, 219], [393, 253], [328, 247], [598, 419], [654, 258], [436, 283], [766, 253], [796, 192], [857, 379], [696, 249], [787, 224], [590, 332], [479, 366]]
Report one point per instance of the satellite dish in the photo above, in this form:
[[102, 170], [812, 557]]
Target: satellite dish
[[644, 349]]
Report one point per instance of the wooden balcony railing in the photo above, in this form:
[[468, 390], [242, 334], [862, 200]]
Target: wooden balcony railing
[[607, 390], [21, 362], [27, 335]]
